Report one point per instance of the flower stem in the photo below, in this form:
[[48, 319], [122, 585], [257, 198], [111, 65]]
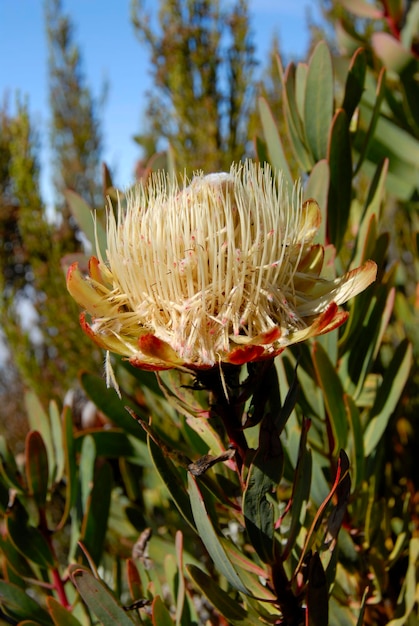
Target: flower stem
[[223, 385]]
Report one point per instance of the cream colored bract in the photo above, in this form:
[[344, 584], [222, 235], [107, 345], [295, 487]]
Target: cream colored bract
[[221, 270]]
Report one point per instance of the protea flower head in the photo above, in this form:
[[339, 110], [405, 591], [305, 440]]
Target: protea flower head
[[222, 270]]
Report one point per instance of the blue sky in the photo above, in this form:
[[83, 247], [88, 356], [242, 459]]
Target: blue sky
[[112, 53]]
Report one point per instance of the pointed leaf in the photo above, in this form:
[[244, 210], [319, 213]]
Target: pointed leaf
[[340, 190], [210, 539], [95, 521], [171, 478], [18, 605], [70, 465], [317, 594], [356, 441], [99, 598], [388, 395], [29, 541], [300, 491], [373, 121], [57, 441], [318, 188], [111, 405], [83, 215], [355, 80], [277, 158], [60, 615], [39, 420], [230, 609], [318, 105], [331, 386], [160, 615]]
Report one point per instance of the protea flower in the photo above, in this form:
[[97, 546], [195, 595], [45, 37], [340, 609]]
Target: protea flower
[[223, 270]]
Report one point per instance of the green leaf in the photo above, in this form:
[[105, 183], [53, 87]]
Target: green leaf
[[18, 605], [373, 121], [294, 124], [318, 104], [277, 158], [95, 520], [317, 593], [111, 405], [86, 469], [57, 440], [113, 443], [83, 215], [99, 598], [340, 189], [160, 614], [355, 80], [259, 513], [60, 615], [317, 187], [70, 465], [230, 609], [300, 490], [209, 537], [39, 420], [172, 480], [388, 395], [356, 441], [333, 393], [15, 559], [29, 541], [410, 587], [8, 467], [36, 467]]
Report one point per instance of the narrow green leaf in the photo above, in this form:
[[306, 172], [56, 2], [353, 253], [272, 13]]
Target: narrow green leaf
[[318, 105], [160, 615], [171, 478], [317, 593], [264, 474], [209, 537], [355, 80], [86, 469], [388, 395], [293, 120], [356, 441], [39, 420], [300, 88], [333, 393], [277, 158], [300, 490], [340, 189], [29, 541], [36, 467], [366, 237], [112, 443], [18, 605], [15, 559], [373, 121], [8, 468], [317, 187], [99, 598], [60, 615], [95, 521], [70, 465], [231, 610], [111, 405], [410, 586], [57, 441], [83, 215]]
